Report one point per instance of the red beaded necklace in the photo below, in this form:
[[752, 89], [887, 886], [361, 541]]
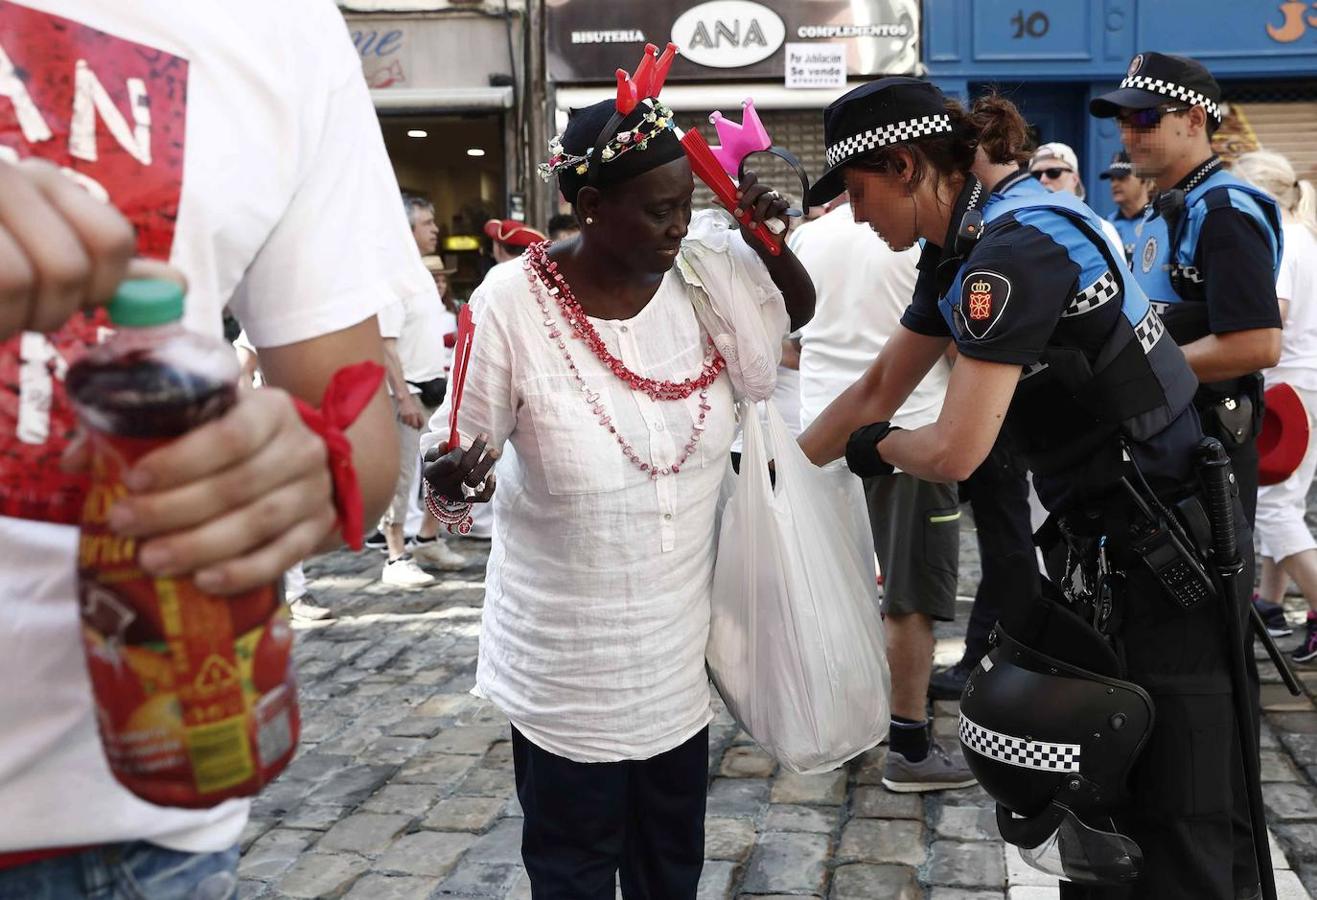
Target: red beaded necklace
[[538, 263]]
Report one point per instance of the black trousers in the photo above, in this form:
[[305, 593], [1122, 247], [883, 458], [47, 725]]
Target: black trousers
[[1187, 809], [998, 495], [585, 822]]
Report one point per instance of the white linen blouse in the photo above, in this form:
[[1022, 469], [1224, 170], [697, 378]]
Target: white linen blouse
[[597, 592]]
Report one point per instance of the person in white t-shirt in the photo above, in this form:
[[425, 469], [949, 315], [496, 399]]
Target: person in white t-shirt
[[240, 141], [414, 331], [591, 359], [1057, 167], [1288, 549]]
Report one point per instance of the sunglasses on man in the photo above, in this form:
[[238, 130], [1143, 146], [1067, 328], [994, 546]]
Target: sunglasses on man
[[1050, 174], [1147, 118]]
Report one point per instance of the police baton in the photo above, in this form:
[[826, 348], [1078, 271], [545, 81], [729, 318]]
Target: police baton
[[1214, 470]]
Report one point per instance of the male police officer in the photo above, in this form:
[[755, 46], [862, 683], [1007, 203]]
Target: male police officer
[[1208, 253], [1130, 193], [1207, 257]]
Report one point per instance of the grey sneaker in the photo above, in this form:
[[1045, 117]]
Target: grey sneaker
[[305, 609], [941, 770]]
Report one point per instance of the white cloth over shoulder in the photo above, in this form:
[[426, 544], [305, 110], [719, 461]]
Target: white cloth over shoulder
[[736, 301]]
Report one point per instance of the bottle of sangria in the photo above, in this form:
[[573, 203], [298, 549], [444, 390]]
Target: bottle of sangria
[[195, 694]]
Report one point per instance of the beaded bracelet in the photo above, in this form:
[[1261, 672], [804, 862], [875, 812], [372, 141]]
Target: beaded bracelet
[[455, 515]]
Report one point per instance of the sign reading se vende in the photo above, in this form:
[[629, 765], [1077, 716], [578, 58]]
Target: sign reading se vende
[[588, 40]]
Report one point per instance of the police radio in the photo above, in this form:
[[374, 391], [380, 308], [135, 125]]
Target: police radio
[[1170, 206], [971, 229], [967, 235], [1166, 550]]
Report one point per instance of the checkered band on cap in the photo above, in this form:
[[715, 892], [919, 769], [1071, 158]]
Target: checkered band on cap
[[885, 135], [1174, 91], [1015, 751]]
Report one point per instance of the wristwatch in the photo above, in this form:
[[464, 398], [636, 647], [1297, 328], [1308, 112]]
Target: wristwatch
[[862, 450]]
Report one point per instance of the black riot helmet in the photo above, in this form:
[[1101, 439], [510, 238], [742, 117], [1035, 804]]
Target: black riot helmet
[[1053, 744]]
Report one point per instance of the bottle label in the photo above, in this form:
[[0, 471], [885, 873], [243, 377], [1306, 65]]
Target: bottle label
[[195, 696]]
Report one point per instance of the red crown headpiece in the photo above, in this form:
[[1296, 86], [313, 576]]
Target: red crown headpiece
[[648, 80]]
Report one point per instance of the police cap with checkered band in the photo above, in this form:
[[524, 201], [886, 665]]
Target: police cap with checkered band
[[876, 114], [1153, 79]]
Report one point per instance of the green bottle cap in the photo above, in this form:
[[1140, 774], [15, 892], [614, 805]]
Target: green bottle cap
[[145, 302]]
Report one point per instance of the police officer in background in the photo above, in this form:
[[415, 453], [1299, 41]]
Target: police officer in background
[[1060, 345], [1209, 253], [1130, 194]]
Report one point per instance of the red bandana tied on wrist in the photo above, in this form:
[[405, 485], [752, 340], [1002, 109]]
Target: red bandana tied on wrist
[[348, 393]]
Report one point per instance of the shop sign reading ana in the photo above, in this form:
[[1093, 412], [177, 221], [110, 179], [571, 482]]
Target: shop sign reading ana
[[728, 34], [732, 39]]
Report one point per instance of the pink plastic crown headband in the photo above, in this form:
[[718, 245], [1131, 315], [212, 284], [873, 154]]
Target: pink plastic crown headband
[[747, 138]]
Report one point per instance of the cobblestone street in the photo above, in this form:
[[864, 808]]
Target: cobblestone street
[[403, 787]]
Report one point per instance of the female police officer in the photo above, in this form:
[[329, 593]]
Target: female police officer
[[1058, 343]]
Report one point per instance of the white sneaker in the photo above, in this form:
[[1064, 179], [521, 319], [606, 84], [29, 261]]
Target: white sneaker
[[436, 553], [404, 572]]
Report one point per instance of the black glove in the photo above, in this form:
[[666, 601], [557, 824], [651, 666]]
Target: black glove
[[862, 450]]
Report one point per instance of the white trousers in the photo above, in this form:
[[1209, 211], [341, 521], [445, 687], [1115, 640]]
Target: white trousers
[[1281, 529]]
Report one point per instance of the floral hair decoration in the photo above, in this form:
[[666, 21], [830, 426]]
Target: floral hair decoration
[[640, 89]]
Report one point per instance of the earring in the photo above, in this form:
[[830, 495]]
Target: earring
[[589, 221]]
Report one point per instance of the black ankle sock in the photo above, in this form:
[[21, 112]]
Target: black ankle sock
[[423, 540], [910, 738]]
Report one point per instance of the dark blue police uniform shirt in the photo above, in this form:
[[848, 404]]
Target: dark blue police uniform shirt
[[1029, 270]]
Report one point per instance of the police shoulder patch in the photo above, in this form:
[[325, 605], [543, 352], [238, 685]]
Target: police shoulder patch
[[983, 298]]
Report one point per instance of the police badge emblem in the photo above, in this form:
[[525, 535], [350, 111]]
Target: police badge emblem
[[1149, 254], [983, 297], [980, 301], [1135, 64]]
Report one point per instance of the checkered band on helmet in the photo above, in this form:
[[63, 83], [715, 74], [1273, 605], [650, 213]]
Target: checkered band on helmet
[[885, 135], [1017, 751], [1174, 91]]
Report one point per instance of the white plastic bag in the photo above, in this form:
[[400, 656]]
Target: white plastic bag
[[796, 644]]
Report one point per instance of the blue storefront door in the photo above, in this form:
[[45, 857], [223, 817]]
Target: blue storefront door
[[1057, 112]]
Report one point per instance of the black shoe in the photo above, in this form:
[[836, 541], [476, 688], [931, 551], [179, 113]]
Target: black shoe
[[1273, 616], [1307, 651], [949, 683], [376, 541]]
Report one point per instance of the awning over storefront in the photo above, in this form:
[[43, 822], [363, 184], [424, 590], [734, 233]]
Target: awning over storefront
[[410, 100], [708, 97]]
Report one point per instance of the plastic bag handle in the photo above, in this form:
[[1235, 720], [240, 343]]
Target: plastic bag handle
[[754, 451]]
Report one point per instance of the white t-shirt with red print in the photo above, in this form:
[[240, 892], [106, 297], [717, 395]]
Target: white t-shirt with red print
[[240, 140]]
